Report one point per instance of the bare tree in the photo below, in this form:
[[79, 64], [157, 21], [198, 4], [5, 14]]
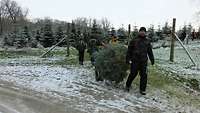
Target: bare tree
[[1, 22], [11, 13], [82, 23], [105, 24], [2, 16]]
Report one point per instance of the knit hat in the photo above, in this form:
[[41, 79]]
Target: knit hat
[[143, 29]]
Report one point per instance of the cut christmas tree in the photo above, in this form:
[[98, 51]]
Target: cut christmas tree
[[111, 63]]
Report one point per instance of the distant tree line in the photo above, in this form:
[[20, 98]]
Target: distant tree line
[[17, 30]]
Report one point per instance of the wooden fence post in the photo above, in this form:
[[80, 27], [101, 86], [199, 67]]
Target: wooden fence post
[[173, 40], [67, 38], [129, 30]]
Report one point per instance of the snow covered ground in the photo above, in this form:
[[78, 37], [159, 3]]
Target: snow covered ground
[[75, 86], [182, 65]]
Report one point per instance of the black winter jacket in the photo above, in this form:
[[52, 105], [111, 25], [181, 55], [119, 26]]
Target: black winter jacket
[[139, 50]]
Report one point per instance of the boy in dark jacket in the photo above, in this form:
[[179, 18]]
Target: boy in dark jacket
[[138, 52]]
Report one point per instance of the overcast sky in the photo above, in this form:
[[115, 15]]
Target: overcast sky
[[136, 12]]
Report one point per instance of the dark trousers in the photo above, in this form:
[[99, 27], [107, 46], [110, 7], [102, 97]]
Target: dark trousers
[[81, 57], [142, 69]]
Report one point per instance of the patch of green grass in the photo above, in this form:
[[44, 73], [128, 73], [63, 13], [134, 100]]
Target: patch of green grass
[[155, 78], [71, 60], [86, 56], [183, 96], [175, 88], [159, 80], [20, 53], [15, 53], [190, 82], [37, 52]]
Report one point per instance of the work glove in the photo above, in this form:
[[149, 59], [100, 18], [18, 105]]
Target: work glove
[[128, 62]]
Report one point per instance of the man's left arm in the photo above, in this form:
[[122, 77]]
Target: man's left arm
[[150, 53]]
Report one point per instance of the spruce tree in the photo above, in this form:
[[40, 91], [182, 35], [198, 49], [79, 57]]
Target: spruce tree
[[198, 33], [6, 41], [26, 34], [151, 33], [72, 36], [59, 35], [41, 40], [166, 29], [48, 39], [110, 64], [113, 32], [189, 29], [135, 32], [38, 36], [25, 39], [19, 40], [159, 33], [96, 32], [121, 33], [11, 38]]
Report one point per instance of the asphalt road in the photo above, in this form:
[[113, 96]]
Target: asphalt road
[[14, 102]]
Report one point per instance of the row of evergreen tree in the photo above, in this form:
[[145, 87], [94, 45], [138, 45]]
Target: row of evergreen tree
[[47, 32]]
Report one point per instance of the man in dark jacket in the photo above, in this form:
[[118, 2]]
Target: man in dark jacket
[[138, 52], [81, 46]]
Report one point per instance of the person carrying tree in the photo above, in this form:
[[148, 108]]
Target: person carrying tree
[[114, 39], [81, 46], [194, 35], [139, 50], [92, 49]]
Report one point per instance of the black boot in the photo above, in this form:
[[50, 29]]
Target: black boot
[[127, 89], [81, 63], [143, 92]]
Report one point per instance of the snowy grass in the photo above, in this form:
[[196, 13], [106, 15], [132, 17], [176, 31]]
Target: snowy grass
[[182, 65], [58, 56], [16, 53]]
